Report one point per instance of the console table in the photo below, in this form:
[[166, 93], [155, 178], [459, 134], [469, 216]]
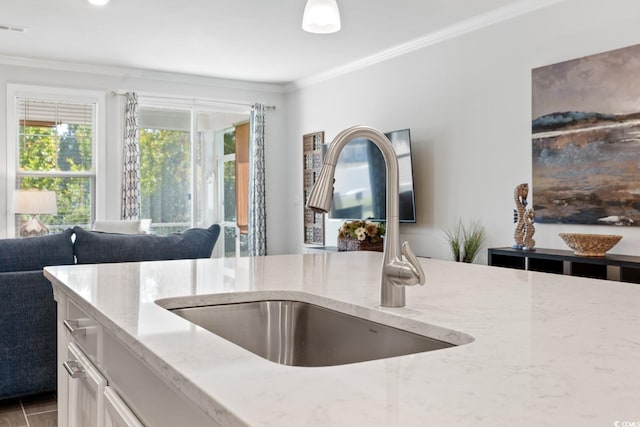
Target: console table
[[624, 268], [318, 249]]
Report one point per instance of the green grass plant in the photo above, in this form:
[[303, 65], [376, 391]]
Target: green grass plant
[[465, 241]]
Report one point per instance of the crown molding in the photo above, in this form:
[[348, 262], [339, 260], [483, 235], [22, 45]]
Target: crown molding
[[475, 23], [136, 73], [463, 27]]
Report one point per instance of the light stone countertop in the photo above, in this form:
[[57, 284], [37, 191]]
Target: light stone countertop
[[537, 349]]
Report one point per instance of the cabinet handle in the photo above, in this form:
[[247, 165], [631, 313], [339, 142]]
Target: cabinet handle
[[73, 326], [74, 369]]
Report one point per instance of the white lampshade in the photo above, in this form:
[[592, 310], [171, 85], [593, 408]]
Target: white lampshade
[[321, 16], [99, 2], [35, 202]]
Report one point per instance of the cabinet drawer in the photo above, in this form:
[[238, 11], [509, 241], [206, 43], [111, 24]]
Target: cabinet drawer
[[116, 412], [83, 329], [84, 401], [159, 405]]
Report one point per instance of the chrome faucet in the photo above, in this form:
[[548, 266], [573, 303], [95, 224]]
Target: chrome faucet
[[396, 272]]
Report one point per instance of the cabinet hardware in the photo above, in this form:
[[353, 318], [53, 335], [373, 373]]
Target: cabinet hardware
[[74, 369], [75, 328]]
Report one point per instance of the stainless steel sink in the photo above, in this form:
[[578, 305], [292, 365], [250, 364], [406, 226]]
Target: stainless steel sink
[[302, 334]]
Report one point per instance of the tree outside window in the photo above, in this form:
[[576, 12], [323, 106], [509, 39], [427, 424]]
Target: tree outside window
[[165, 170], [56, 153]]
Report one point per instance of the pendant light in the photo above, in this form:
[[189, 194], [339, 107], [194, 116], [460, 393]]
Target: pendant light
[[321, 16], [98, 2]]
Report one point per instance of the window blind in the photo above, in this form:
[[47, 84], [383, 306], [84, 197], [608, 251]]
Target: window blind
[[38, 112]]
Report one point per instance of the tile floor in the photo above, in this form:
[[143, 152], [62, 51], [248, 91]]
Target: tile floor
[[32, 411]]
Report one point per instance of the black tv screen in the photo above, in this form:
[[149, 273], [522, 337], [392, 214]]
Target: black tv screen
[[360, 187]]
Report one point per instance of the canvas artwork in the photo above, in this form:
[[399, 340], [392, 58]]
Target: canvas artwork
[[586, 140]]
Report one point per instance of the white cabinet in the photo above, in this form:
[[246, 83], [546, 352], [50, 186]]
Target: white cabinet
[[84, 401], [116, 412], [93, 364], [90, 402], [84, 398]]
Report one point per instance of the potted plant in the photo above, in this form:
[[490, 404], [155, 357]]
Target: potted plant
[[465, 241]]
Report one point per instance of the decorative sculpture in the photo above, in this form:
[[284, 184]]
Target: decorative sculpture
[[520, 197], [529, 244]]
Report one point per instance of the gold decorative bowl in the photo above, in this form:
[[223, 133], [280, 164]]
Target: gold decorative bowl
[[590, 244]]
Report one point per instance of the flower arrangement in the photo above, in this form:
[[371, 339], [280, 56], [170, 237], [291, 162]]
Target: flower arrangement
[[361, 235]]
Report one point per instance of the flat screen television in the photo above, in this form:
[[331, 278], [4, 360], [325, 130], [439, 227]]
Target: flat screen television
[[360, 187]]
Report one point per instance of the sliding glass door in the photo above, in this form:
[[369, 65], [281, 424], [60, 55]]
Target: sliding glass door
[[166, 168], [189, 171]]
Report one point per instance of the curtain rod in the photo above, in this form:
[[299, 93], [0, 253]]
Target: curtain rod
[[244, 104]]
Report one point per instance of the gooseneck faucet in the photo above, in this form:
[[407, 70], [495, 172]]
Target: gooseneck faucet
[[396, 271]]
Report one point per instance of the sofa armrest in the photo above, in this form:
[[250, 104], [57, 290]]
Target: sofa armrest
[[28, 334]]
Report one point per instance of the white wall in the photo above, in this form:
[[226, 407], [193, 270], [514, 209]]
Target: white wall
[[468, 104], [91, 78], [467, 101]]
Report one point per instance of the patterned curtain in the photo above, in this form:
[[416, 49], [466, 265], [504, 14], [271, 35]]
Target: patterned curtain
[[131, 158], [257, 210]]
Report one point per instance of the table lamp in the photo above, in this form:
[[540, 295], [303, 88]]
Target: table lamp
[[34, 203]]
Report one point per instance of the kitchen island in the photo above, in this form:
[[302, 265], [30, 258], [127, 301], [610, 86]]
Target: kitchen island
[[533, 349]]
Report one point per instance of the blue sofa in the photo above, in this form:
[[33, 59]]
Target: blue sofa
[[27, 308]]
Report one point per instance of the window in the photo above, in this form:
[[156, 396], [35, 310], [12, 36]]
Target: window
[[189, 169], [55, 149]]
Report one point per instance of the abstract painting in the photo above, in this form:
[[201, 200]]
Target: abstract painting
[[586, 140]]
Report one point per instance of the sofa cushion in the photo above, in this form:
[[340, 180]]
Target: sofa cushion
[[35, 253], [93, 247]]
